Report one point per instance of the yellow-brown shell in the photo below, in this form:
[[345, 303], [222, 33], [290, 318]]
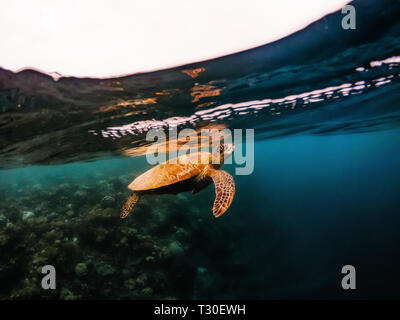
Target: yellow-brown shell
[[167, 173]]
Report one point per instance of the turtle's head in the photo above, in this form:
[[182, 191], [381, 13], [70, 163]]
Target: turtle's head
[[225, 150]]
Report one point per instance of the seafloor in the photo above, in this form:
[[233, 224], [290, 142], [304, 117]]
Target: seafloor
[[75, 226]]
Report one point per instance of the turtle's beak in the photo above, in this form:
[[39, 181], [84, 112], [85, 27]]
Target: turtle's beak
[[228, 149]]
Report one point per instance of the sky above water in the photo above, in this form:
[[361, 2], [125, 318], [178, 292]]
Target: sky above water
[[102, 38]]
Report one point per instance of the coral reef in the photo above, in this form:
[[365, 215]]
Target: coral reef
[[75, 226]]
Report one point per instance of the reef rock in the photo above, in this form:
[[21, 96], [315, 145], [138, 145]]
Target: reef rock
[[175, 248], [104, 269], [107, 202], [26, 215], [81, 269]]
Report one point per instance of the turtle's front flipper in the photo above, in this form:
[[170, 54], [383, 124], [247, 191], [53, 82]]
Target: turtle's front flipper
[[129, 204], [224, 191]]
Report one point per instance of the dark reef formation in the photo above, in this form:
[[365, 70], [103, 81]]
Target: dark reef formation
[[75, 226]]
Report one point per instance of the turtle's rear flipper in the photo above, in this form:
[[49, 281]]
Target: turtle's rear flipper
[[224, 191], [129, 204]]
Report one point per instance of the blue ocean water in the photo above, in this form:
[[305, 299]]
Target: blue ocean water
[[324, 104], [327, 202]]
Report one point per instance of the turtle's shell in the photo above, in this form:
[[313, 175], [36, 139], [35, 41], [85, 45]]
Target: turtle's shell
[[167, 173]]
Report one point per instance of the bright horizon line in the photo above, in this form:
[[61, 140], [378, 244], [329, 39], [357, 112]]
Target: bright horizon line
[[71, 38]]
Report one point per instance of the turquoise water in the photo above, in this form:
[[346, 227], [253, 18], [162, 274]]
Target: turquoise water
[[323, 194]]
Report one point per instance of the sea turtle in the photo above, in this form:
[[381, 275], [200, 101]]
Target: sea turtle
[[185, 173]]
